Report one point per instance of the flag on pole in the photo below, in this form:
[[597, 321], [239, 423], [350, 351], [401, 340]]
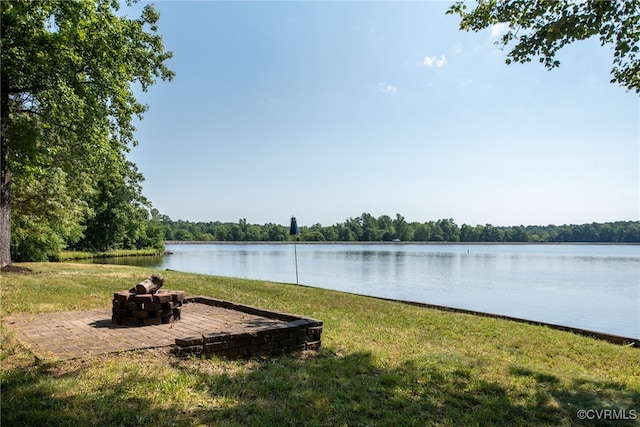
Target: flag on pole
[[293, 230]]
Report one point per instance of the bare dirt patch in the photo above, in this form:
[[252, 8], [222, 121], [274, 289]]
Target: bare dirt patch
[[15, 269]]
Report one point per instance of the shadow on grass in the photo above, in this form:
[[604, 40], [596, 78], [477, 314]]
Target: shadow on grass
[[596, 402], [322, 389]]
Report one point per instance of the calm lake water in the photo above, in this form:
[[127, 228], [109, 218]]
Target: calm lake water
[[594, 287]]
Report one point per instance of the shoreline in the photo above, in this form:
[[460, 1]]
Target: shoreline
[[299, 242], [624, 340], [603, 336], [614, 339]]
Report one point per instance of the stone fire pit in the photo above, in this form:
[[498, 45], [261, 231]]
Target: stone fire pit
[[208, 327], [145, 304]]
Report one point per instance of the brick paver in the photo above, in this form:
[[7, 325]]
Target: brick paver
[[70, 335]]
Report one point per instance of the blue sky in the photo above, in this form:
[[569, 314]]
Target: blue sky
[[328, 110]]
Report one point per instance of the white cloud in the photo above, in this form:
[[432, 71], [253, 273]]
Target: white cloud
[[430, 61], [499, 29], [387, 88]]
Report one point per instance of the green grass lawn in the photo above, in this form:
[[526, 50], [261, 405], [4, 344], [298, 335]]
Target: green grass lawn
[[382, 363]]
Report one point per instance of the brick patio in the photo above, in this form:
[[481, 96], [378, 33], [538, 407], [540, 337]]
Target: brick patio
[[71, 335]]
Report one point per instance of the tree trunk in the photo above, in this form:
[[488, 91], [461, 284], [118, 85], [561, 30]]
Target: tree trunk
[[5, 176], [5, 207]]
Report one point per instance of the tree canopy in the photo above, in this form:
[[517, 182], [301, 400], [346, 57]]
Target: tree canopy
[[69, 72], [538, 28]]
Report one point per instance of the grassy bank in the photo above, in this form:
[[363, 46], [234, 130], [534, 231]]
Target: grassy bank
[[78, 255], [382, 363]]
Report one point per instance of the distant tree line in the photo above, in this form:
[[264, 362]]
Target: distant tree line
[[367, 228]]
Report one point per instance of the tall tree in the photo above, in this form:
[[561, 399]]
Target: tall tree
[[403, 231], [120, 213], [48, 211], [450, 230], [370, 230], [69, 70], [387, 230], [538, 28]]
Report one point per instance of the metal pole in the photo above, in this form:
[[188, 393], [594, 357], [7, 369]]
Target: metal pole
[[295, 250], [294, 231]]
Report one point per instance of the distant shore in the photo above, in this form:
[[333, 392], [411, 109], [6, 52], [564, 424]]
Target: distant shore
[[299, 242]]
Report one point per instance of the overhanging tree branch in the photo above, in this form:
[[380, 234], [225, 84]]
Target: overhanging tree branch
[[541, 28]]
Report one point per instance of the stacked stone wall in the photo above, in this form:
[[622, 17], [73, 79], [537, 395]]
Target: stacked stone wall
[[295, 334]]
